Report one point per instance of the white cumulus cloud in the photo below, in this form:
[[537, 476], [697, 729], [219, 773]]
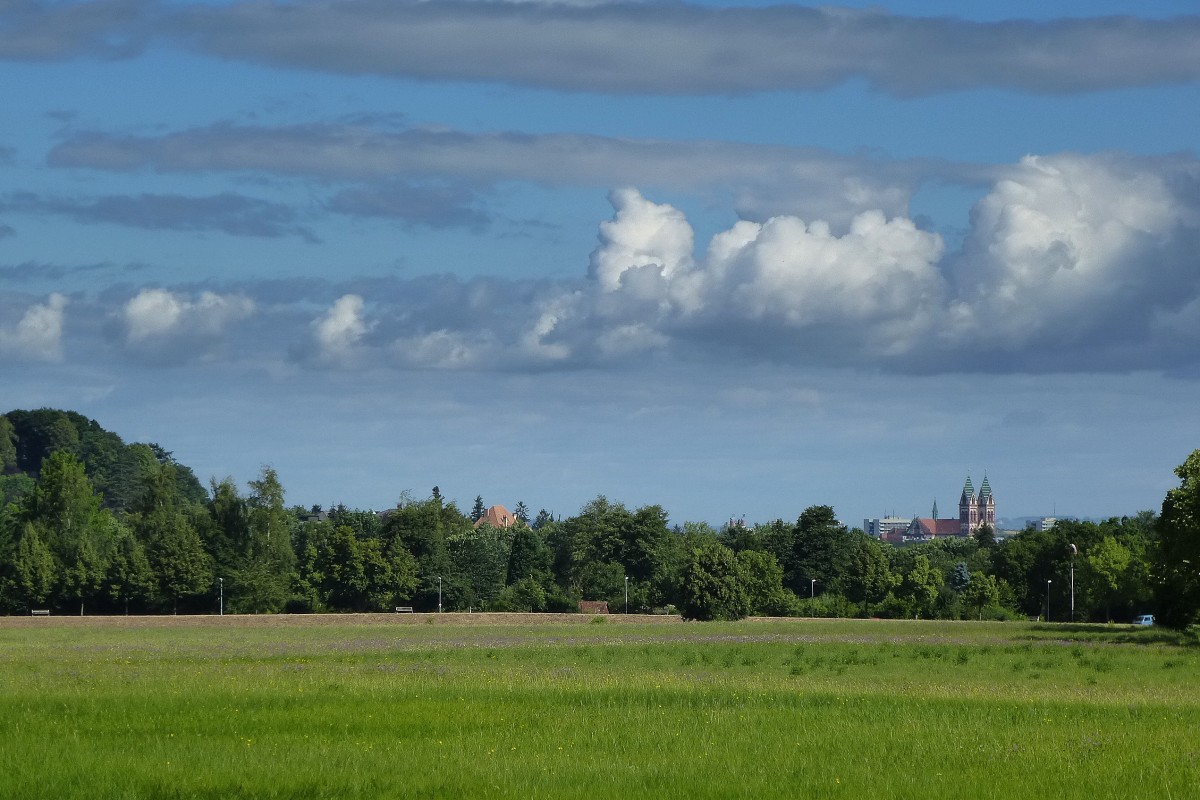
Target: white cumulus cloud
[[1072, 247], [165, 322], [876, 283], [641, 234], [38, 335], [339, 330]]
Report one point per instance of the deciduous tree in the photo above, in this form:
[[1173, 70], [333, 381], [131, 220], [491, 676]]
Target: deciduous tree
[[713, 587], [1177, 566]]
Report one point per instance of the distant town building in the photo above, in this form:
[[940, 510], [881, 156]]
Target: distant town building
[[974, 511], [497, 517], [886, 528], [1043, 524]]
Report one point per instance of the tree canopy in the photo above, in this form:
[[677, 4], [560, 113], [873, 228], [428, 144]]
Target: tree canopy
[[89, 524]]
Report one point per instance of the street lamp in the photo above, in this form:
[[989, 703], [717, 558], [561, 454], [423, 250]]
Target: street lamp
[[626, 594], [1048, 599], [439, 594], [812, 588], [221, 607]]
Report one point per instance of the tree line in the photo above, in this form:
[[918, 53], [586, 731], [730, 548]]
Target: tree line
[[92, 525]]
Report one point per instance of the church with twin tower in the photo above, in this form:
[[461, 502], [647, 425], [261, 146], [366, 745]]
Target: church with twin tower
[[976, 510]]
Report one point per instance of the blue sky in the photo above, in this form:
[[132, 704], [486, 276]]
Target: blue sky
[[735, 259]]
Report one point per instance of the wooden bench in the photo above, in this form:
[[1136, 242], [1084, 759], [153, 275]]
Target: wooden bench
[[404, 609], [40, 612]]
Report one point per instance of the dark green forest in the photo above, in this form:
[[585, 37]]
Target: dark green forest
[[92, 525]]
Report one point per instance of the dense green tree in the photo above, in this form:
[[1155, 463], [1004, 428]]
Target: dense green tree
[[64, 502], [868, 576], [543, 518], [477, 510], [981, 592], [129, 577], [675, 552], [8, 446], [264, 581], [529, 556], [365, 574], [227, 539], [1106, 567], [762, 581], [602, 580], [83, 571], [481, 558], [608, 533], [1176, 570], [78, 531], [821, 549], [526, 595], [921, 586], [960, 577], [176, 553], [596, 536], [643, 539], [366, 524], [421, 528], [521, 513], [985, 536], [714, 588], [391, 574], [344, 571], [312, 542], [35, 572], [1029, 559], [15, 488]]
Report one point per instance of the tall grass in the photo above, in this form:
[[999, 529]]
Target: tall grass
[[778, 709]]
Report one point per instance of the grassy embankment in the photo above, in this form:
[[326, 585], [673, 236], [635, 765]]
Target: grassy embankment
[[351, 707]]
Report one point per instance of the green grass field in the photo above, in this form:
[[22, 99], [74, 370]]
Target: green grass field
[[388, 706]]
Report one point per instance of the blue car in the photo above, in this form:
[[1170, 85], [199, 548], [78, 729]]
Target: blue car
[[1144, 619]]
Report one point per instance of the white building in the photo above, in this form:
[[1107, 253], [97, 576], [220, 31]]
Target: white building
[[879, 528]]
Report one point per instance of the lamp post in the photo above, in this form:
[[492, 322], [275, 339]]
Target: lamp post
[[221, 606], [1074, 551], [626, 594], [439, 594], [812, 588], [1048, 599]]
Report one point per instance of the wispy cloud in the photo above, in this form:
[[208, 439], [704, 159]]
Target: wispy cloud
[[41, 31], [414, 204], [763, 180], [634, 48], [228, 212]]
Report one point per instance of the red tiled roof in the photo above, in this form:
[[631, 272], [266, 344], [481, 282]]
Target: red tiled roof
[[497, 517], [939, 527]]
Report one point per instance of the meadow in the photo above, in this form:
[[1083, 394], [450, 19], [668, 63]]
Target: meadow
[[429, 706]]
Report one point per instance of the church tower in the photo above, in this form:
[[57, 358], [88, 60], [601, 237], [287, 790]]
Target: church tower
[[976, 510], [968, 509], [987, 505]]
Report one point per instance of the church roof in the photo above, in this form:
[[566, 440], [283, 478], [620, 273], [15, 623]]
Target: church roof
[[985, 489], [968, 492], [939, 527]]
